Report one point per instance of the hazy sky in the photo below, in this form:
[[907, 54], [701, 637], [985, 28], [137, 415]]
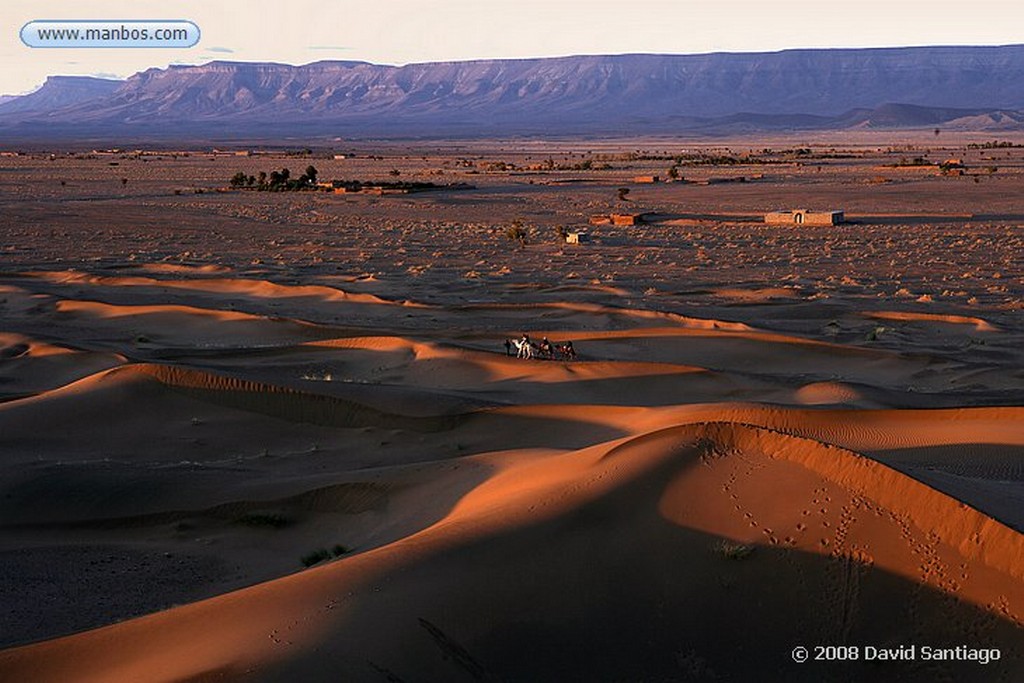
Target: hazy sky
[[403, 31]]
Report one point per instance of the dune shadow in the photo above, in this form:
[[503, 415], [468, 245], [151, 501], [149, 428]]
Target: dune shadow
[[85, 574], [611, 591], [985, 476]]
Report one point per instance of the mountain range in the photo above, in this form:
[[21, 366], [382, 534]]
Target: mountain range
[[980, 88]]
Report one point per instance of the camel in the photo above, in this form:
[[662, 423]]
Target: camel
[[549, 350], [524, 348]]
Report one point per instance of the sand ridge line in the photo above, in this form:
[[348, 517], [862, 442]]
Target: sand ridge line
[[974, 534], [980, 324], [272, 400], [264, 289], [757, 294], [193, 326], [14, 345], [582, 307], [499, 367], [284, 402], [853, 428], [102, 310]]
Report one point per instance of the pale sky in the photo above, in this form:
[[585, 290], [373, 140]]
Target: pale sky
[[405, 31]]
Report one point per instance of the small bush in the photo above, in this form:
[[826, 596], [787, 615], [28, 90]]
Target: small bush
[[339, 550], [733, 551], [874, 334], [315, 557], [516, 232]]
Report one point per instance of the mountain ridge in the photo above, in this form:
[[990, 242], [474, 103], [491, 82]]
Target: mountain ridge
[[586, 94]]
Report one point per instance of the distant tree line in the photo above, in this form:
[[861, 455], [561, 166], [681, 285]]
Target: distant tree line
[[276, 181], [411, 186], [994, 144]]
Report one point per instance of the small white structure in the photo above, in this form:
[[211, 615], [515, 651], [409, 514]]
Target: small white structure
[[577, 237], [804, 217]]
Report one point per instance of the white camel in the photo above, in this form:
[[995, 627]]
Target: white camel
[[524, 348]]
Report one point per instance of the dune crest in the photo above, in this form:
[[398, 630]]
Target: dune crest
[[217, 286], [941, 519], [979, 324]]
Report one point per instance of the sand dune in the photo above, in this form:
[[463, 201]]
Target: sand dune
[[689, 500], [859, 430], [186, 325], [757, 294], [218, 286], [680, 514], [206, 268], [29, 366], [979, 324], [17, 346], [973, 535], [612, 311], [818, 393]]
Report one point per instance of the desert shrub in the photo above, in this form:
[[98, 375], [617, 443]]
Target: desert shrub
[[916, 161], [733, 551], [874, 334], [516, 232], [339, 550], [315, 557]]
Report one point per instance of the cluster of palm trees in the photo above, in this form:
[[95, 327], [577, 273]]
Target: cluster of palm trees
[[276, 181]]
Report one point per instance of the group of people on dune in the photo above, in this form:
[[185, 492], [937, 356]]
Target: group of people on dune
[[547, 350]]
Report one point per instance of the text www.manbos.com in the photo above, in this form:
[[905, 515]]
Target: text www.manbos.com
[[49, 33]]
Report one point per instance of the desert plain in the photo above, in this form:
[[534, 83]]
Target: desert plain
[[276, 436]]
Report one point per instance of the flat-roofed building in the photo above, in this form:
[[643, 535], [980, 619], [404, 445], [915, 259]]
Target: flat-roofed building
[[804, 217]]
